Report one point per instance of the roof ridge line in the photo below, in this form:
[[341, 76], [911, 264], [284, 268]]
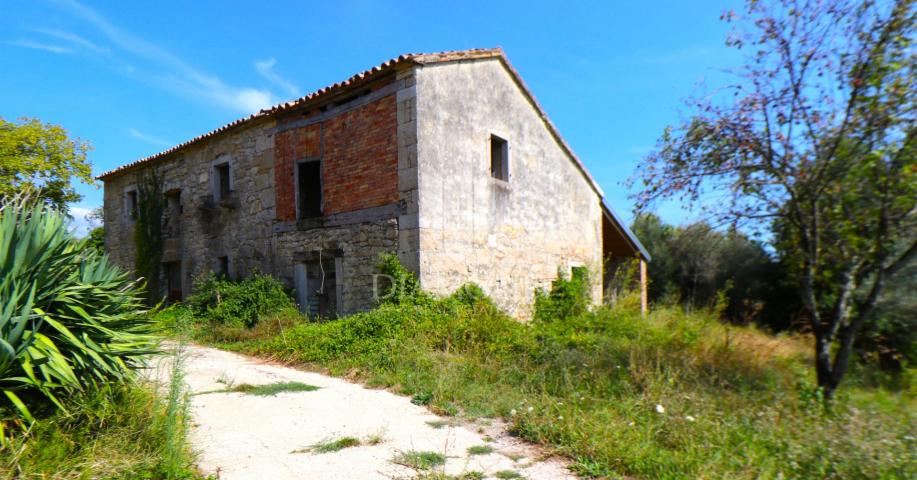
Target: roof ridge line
[[365, 75]]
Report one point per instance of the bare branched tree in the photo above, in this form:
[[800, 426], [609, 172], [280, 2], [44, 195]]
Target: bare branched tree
[[816, 140]]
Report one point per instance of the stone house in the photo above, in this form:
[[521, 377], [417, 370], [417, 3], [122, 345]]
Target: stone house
[[446, 159]]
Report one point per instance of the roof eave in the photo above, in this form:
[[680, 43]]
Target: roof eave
[[626, 232]]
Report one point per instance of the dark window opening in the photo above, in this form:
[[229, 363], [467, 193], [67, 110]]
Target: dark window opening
[[132, 205], [309, 189], [172, 215], [222, 181], [499, 158], [223, 267], [173, 281]]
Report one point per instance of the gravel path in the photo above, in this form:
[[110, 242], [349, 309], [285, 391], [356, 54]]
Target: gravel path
[[244, 436]]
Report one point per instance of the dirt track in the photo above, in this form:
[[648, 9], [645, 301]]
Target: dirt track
[[244, 436]]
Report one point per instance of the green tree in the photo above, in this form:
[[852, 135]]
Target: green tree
[[815, 139], [41, 157], [693, 263], [96, 236]]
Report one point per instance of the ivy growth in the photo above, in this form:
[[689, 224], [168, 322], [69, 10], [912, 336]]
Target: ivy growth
[[148, 237]]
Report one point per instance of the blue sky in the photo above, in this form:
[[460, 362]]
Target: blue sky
[[133, 78]]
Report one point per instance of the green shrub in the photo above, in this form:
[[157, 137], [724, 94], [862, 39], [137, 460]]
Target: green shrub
[[404, 287], [471, 294], [226, 302], [69, 320], [567, 298], [671, 395]]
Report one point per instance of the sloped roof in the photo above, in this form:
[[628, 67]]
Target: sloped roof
[[322, 93], [625, 238], [386, 68]]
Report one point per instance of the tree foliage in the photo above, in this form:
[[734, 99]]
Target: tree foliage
[[96, 237], [692, 264], [817, 140], [41, 157]]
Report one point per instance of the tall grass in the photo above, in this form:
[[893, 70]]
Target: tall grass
[[674, 395], [117, 431], [175, 458]]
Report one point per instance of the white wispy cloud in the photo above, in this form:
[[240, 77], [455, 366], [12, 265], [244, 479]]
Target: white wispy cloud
[[25, 43], [71, 38], [149, 138], [266, 69], [80, 222], [179, 76]]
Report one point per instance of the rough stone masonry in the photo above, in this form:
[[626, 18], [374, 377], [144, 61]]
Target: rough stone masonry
[[445, 159]]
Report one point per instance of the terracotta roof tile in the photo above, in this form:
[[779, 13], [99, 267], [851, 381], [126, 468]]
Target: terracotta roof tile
[[388, 66], [366, 75]]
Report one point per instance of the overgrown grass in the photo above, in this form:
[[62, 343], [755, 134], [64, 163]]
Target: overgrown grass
[[674, 395], [329, 446], [420, 460], [267, 390], [480, 450], [117, 431], [508, 474]]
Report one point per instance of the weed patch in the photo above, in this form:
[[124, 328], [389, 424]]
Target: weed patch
[[508, 474], [420, 460], [438, 424], [335, 445], [480, 450], [116, 431], [269, 389]]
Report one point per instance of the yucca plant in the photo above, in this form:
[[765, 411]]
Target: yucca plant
[[69, 320]]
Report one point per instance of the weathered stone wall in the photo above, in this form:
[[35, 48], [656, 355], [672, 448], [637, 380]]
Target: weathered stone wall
[[239, 229], [359, 244], [406, 170], [509, 237], [256, 227]]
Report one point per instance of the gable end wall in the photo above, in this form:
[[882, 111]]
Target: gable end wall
[[508, 237]]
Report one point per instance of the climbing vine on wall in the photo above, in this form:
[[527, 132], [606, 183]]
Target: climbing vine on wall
[[148, 237]]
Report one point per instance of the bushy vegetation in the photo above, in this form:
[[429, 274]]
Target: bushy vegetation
[[237, 303], [695, 263], [674, 395], [115, 431], [69, 320], [568, 297], [72, 332]]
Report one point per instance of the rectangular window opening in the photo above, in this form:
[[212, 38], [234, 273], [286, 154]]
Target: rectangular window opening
[[173, 281], [223, 187], [222, 269], [132, 205], [499, 158], [172, 214], [309, 189]]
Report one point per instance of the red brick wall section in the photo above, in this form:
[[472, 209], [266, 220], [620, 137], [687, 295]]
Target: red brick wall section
[[290, 146], [359, 162], [360, 167]]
